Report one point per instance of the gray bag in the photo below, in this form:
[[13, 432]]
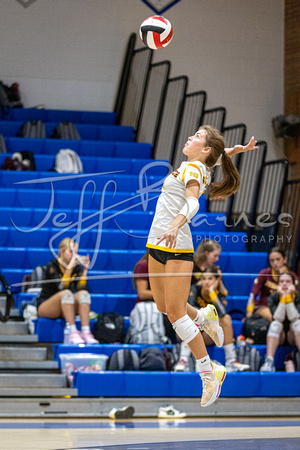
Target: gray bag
[[247, 354], [146, 325], [124, 359], [2, 144]]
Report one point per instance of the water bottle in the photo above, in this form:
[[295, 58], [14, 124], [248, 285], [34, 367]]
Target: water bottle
[[67, 332]]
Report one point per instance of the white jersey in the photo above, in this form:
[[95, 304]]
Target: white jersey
[[170, 202]]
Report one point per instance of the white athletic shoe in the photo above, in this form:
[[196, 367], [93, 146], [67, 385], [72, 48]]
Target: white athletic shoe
[[170, 412], [182, 366], [268, 366], [211, 384], [211, 325], [235, 366], [121, 413]]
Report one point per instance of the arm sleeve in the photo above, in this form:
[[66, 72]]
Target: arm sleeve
[[273, 301]]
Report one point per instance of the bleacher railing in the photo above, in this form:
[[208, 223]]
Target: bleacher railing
[[153, 99], [267, 204], [289, 227], [170, 118], [234, 134], [193, 107]]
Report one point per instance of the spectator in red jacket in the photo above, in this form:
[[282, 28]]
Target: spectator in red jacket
[[266, 284]]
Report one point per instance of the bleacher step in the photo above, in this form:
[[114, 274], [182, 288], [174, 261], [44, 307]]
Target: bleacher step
[[11, 380], [19, 338], [28, 365], [23, 354], [38, 392], [14, 312], [12, 328]]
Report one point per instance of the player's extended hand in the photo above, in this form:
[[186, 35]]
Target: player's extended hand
[[245, 148], [170, 237]]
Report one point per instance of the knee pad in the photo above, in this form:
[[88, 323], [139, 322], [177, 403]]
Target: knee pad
[[84, 297], [296, 326], [185, 328], [67, 298], [275, 329]]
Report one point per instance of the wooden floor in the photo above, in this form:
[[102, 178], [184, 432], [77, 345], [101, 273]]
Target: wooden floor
[[149, 434]]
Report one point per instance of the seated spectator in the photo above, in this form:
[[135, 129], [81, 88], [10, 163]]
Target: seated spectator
[[285, 327], [209, 292], [206, 255], [141, 282], [144, 294], [266, 284], [66, 293]]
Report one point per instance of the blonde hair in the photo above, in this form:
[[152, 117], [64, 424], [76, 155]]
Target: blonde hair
[[66, 243], [231, 177], [207, 245]]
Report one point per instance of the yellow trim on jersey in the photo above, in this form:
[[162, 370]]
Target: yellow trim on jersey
[[182, 178], [196, 167], [170, 250]]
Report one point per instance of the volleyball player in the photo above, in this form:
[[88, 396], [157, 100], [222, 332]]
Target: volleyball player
[[171, 247]]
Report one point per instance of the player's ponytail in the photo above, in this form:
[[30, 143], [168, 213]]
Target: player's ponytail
[[231, 177]]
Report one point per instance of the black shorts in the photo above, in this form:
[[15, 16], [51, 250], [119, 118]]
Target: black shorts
[[162, 257]]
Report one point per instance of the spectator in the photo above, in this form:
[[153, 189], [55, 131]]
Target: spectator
[[144, 294], [209, 292], [206, 255], [285, 327], [141, 283], [66, 292], [266, 284]]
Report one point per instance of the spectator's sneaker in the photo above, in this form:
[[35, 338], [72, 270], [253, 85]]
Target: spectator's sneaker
[[235, 366], [170, 412], [182, 366], [121, 413], [211, 384], [268, 366], [211, 325], [89, 338], [75, 338]]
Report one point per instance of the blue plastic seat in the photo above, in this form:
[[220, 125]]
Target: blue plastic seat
[[55, 115]]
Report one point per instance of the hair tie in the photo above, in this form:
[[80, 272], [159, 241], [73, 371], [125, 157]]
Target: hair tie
[[224, 153]]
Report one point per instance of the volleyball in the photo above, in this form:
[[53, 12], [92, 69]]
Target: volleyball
[[156, 32]]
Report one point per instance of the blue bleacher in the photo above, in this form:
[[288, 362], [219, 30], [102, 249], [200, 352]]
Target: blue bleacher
[[128, 166], [105, 148], [174, 384], [30, 257], [86, 131], [56, 115]]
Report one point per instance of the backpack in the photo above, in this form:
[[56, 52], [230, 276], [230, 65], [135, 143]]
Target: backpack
[[33, 282], [246, 354], [28, 160], [109, 328], [152, 358], [10, 301], [67, 161], [2, 144], [66, 130], [256, 328], [146, 325], [32, 129], [124, 359]]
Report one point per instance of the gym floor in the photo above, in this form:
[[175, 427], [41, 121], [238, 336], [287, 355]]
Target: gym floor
[[151, 434]]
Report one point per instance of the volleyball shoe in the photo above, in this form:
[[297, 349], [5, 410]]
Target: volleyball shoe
[[211, 384]]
